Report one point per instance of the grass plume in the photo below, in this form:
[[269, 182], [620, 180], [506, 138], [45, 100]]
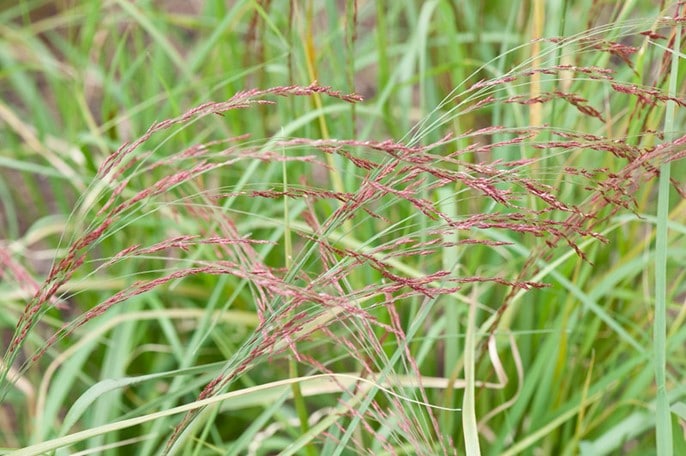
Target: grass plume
[[304, 270]]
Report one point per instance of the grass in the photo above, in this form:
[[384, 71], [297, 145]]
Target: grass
[[342, 228]]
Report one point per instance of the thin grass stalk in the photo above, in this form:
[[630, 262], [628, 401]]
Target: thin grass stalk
[[537, 30], [384, 374], [573, 448], [381, 36], [663, 424], [451, 261], [469, 424], [350, 38], [298, 400], [310, 60]]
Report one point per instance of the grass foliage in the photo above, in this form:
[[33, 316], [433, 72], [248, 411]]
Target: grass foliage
[[342, 227]]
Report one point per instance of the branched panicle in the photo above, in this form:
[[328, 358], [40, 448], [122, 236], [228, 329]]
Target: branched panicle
[[350, 294], [113, 171]]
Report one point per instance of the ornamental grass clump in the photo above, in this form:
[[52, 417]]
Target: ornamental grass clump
[[362, 295]]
